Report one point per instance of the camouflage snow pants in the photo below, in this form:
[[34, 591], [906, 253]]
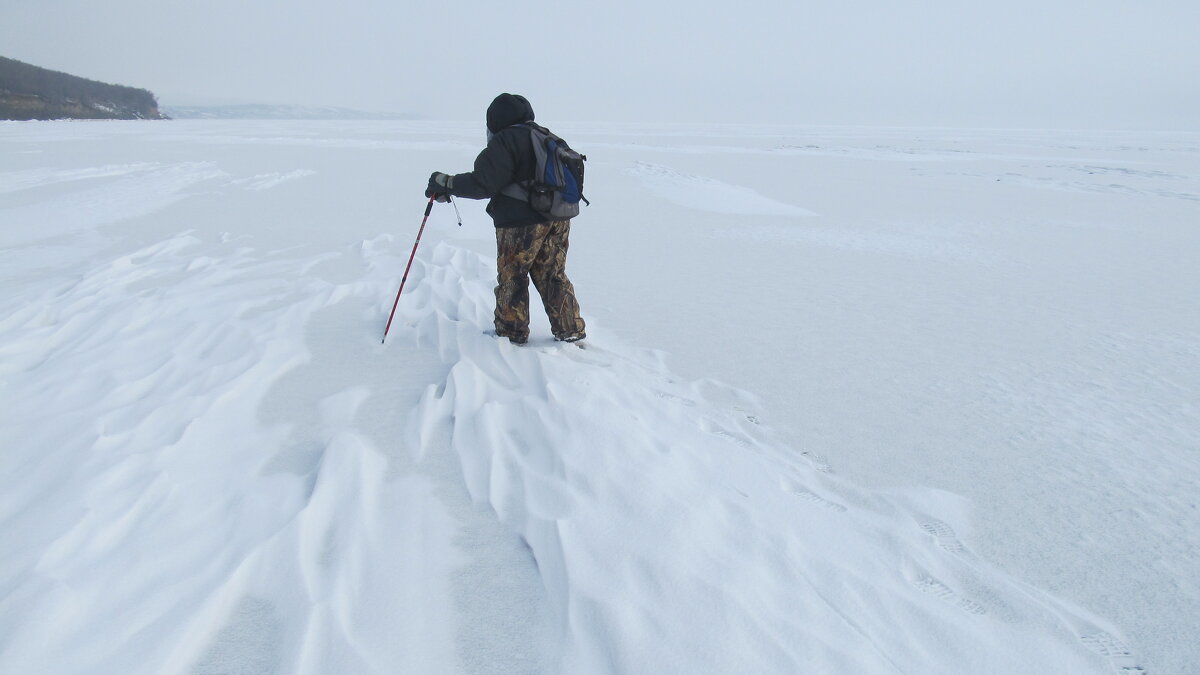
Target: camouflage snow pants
[[538, 252]]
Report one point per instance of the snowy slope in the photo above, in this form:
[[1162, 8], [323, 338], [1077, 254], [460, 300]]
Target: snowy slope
[[211, 465]]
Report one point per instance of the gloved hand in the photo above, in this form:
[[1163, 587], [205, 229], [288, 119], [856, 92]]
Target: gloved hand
[[440, 186]]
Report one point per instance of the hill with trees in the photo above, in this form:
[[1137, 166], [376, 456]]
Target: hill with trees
[[31, 93]]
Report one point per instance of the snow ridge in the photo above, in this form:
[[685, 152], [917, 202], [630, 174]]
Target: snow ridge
[[216, 472], [666, 529]]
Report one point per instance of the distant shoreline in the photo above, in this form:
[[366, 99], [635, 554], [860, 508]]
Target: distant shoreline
[[29, 93], [263, 111]]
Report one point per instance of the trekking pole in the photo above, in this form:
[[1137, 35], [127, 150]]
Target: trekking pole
[[428, 208]]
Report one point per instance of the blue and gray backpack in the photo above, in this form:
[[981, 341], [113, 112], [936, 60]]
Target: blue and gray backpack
[[557, 186]]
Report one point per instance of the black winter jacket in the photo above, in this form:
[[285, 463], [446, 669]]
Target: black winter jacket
[[508, 158]]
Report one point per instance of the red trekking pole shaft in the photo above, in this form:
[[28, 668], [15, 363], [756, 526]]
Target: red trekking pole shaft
[[428, 208]]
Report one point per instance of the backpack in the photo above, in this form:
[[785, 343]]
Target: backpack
[[557, 185]]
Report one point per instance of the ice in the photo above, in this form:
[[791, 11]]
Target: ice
[[266, 181], [853, 400], [707, 194]]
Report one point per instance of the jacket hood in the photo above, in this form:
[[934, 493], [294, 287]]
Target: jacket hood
[[507, 110]]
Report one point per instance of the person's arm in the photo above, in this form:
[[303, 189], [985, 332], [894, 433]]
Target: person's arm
[[494, 169]]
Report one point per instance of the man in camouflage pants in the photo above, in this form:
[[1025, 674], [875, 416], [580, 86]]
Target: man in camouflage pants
[[527, 245]]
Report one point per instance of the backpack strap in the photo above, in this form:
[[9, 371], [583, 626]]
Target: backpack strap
[[520, 189]]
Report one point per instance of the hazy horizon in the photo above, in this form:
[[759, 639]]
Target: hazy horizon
[[1099, 65]]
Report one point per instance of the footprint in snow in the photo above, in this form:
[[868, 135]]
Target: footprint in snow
[[1111, 647], [818, 462], [1105, 645], [937, 589], [818, 500], [943, 534], [709, 427], [686, 402], [809, 496]]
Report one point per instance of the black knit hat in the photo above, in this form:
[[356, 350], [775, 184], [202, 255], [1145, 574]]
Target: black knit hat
[[507, 110]]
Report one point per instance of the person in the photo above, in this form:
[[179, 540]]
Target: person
[[528, 244]]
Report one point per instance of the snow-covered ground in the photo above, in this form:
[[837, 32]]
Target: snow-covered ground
[[853, 401]]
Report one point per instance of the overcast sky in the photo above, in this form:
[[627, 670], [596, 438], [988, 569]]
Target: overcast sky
[[1047, 63]]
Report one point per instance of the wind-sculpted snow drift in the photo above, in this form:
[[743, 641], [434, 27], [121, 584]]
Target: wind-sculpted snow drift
[[221, 474], [672, 535]]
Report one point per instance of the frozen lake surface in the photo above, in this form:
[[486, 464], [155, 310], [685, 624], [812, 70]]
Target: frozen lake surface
[[853, 400]]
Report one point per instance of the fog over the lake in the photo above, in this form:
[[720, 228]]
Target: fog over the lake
[[1069, 63]]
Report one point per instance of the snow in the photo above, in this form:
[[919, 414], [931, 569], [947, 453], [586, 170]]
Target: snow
[[853, 400], [706, 194]]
